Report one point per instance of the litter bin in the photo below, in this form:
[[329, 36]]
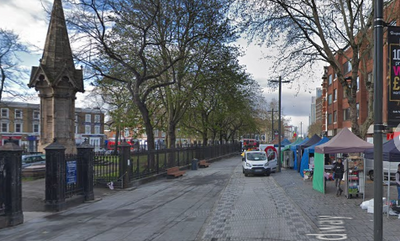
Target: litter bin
[[194, 164]]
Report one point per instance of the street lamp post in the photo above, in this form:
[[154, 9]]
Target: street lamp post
[[378, 126], [280, 119], [272, 124]]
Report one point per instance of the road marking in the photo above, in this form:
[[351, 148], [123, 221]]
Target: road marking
[[331, 228]]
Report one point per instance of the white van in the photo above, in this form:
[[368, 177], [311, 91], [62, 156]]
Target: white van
[[257, 162], [386, 166]]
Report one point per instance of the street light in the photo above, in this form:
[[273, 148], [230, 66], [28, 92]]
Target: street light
[[280, 121], [378, 125], [272, 120]]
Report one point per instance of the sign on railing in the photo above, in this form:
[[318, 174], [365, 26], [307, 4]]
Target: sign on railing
[[71, 172]]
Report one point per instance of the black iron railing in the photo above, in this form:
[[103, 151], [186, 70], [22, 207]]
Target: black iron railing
[[2, 187]]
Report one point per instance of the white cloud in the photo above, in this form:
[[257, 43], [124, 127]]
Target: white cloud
[[296, 96]]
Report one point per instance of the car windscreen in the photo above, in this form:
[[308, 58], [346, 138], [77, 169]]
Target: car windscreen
[[256, 156]]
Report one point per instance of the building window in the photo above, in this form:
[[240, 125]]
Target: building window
[[76, 129], [36, 115], [346, 114], [18, 114], [329, 119], [335, 116], [4, 127], [4, 112], [97, 119], [334, 95], [18, 128], [329, 99], [358, 110], [96, 129], [88, 118], [347, 67], [369, 77], [358, 83], [344, 93], [88, 129], [76, 118], [330, 79], [35, 127]]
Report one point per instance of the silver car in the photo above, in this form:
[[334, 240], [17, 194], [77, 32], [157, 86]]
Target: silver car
[[34, 159]]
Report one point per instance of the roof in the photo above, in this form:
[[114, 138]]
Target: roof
[[390, 151], [344, 142]]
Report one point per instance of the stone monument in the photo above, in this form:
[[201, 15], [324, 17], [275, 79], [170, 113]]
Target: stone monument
[[57, 81]]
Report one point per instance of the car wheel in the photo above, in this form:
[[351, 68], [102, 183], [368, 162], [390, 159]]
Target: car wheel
[[246, 175], [243, 170], [268, 172], [371, 175]]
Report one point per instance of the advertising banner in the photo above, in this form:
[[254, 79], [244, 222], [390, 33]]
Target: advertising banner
[[394, 76]]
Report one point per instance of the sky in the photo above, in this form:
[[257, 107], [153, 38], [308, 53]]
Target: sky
[[29, 20]]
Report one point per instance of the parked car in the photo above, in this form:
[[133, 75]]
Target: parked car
[[386, 166], [33, 159], [111, 152], [101, 151], [257, 162]]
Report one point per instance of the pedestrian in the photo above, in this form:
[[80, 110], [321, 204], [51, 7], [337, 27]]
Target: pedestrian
[[338, 170], [398, 183]]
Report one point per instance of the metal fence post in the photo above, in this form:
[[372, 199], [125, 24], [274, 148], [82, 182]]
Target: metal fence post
[[125, 164], [55, 177], [10, 184], [86, 158]]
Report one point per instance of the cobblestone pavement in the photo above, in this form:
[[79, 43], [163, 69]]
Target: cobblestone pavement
[[213, 204], [256, 208], [358, 223]]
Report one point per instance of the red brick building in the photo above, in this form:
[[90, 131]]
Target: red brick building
[[335, 108]]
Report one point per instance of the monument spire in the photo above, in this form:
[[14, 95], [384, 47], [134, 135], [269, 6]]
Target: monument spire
[[57, 55], [57, 50], [57, 81]]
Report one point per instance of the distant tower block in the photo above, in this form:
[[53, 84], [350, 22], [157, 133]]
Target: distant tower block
[[57, 81]]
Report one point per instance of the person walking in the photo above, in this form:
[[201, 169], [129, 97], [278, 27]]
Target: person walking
[[398, 183], [338, 170]]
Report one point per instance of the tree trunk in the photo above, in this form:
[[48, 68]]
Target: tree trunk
[[205, 139], [116, 140], [149, 130], [171, 142]]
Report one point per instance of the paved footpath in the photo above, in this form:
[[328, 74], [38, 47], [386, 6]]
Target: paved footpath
[[212, 204]]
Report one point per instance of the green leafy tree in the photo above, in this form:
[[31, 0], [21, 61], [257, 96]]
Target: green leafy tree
[[144, 39], [306, 32]]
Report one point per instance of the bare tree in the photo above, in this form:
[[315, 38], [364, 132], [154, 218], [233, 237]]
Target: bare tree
[[307, 31], [10, 71]]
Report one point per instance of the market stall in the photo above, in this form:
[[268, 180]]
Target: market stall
[[287, 157], [354, 177], [390, 158], [300, 149], [305, 160], [295, 152], [344, 142]]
